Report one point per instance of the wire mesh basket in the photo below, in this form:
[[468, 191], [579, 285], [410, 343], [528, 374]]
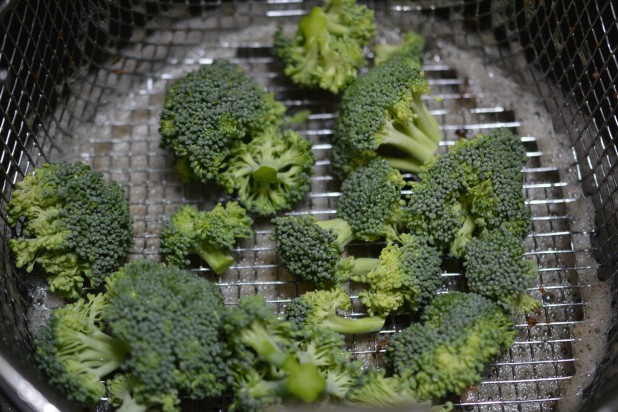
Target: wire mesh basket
[[85, 81]]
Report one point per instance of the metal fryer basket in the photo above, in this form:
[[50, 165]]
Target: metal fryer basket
[[86, 80]]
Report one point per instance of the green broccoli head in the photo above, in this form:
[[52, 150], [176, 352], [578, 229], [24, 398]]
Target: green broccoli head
[[383, 113], [320, 307], [407, 277], [75, 352], [411, 47], [209, 234], [459, 334], [209, 109], [170, 319], [76, 226], [271, 173], [495, 268], [371, 200], [311, 250], [327, 50]]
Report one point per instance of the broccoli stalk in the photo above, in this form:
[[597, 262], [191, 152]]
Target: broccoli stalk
[[76, 353], [208, 234], [271, 173], [319, 308]]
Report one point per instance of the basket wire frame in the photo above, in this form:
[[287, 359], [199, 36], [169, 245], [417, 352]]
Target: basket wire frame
[[86, 81]]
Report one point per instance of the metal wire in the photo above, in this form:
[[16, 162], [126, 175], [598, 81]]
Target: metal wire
[[86, 82]]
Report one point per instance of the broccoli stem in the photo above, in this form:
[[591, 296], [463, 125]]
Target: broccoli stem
[[405, 165], [347, 326], [218, 259], [262, 342], [361, 267], [410, 140], [265, 174], [342, 229], [101, 353], [526, 304], [463, 236], [424, 120]]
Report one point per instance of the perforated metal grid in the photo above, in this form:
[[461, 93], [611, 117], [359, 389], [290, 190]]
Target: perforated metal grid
[[114, 60]]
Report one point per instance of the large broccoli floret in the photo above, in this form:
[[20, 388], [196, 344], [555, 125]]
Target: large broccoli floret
[[271, 172], [411, 47], [312, 250], [383, 113], [319, 308], [255, 339], [208, 234], [477, 185], [209, 109], [447, 352], [371, 201], [495, 268], [76, 226], [76, 353], [327, 50], [406, 277], [171, 321]]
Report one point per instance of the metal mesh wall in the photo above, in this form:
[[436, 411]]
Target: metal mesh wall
[[86, 80]]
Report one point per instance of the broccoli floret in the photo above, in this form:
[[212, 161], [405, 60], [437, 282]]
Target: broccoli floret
[[208, 234], [270, 173], [406, 277], [209, 109], [252, 327], [371, 200], [256, 393], [383, 113], [319, 308], [495, 268], [477, 185], [327, 50], [459, 334], [411, 47], [76, 226], [170, 319], [312, 250], [76, 353]]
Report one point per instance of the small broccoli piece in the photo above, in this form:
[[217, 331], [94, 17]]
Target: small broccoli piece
[[208, 234], [312, 250], [271, 172], [407, 277], [411, 47], [255, 338], [383, 114], [75, 352], [495, 268], [319, 308], [76, 226], [371, 200], [256, 393], [327, 50], [170, 319], [374, 389], [459, 334], [209, 109], [477, 185]]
